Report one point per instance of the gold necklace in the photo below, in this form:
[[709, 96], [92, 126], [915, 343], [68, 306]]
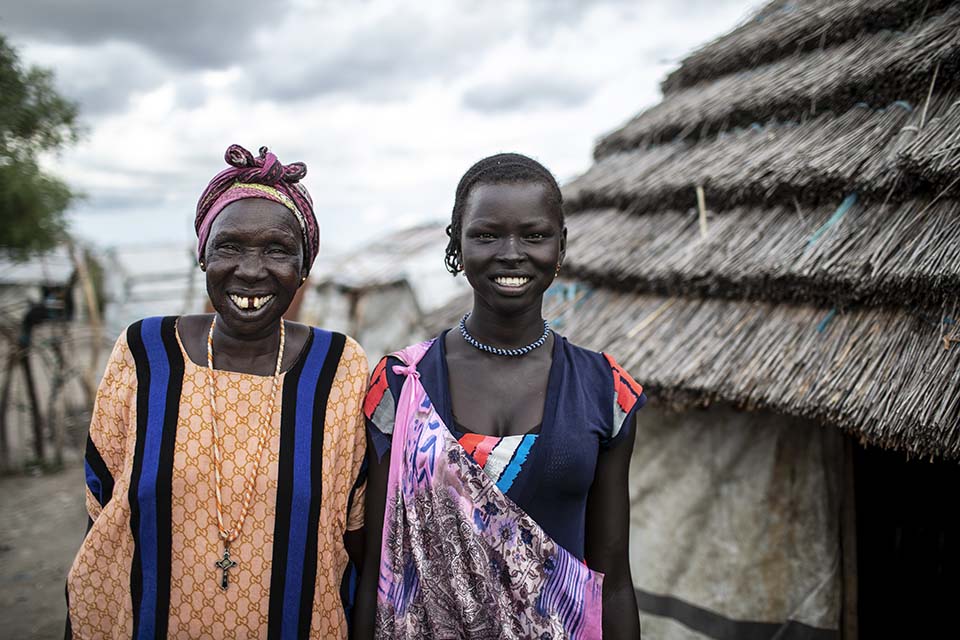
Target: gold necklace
[[229, 535]]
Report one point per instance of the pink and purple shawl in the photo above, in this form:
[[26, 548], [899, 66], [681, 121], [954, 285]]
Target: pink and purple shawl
[[265, 177], [459, 559]]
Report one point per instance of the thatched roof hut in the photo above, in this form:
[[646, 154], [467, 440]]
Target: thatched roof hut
[[778, 242], [819, 275], [782, 234]]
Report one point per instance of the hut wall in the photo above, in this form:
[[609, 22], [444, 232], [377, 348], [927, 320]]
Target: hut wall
[[388, 319], [736, 524], [327, 306], [382, 319]]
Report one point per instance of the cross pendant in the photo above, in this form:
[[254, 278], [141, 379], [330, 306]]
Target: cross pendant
[[225, 564]]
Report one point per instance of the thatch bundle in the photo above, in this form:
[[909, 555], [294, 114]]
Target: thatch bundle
[[855, 254], [876, 70], [934, 154], [784, 27], [821, 159]]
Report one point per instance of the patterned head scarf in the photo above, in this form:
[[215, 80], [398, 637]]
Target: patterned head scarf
[[259, 177]]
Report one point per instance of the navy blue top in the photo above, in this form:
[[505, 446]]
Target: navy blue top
[[590, 406]]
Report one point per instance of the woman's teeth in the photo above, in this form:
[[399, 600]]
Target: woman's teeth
[[250, 302], [511, 282]]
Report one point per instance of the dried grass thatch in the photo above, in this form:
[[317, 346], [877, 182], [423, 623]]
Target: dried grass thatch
[[877, 70], [785, 27], [882, 375], [935, 153], [821, 160], [841, 256]]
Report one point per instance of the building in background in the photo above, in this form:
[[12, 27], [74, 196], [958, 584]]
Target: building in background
[[379, 293], [774, 252], [151, 280]]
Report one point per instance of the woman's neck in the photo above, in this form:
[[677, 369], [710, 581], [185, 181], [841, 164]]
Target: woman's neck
[[248, 354], [507, 331]]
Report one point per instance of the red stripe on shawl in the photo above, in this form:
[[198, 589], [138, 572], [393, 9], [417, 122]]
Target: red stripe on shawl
[[627, 389], [470, 441], [484, 447], [378, 386], [479, 446]]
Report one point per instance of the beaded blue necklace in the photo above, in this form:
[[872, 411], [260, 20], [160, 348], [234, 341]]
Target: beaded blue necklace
[[497, 351]]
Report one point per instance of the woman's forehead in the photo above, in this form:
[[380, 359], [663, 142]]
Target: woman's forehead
[[256, 215], [507, 200]]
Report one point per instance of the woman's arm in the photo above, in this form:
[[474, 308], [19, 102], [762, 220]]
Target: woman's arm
[[365, 608], [608, 539]]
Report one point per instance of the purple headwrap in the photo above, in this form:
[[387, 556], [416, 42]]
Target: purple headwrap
[[260, 177]]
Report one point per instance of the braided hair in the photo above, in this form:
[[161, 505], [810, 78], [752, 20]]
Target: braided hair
[[502, 168]]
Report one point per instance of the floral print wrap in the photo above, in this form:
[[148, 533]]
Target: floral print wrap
[[459, 559]]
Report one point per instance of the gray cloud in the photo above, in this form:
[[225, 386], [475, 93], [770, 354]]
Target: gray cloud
[[385, 57], [104, 77], [528, 91], [188, 33]]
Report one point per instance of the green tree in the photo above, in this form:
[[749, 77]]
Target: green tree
[[34, 120]]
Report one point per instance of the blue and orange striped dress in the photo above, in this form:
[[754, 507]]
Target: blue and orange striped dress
[[146, 567]]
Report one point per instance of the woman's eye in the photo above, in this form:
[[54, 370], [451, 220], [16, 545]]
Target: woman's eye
[[486, 236], [535, 236], [228, 248]]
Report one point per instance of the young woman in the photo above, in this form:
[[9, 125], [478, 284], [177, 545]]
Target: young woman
[[498, 451], [225, 448]]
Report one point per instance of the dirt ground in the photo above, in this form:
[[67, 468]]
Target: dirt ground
[[42, 522]]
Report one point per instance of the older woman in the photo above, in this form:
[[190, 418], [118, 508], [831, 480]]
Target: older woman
[[225, 448]]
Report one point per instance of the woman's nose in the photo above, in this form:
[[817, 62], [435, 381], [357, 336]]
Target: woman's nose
[[250, 266], [511, 250]]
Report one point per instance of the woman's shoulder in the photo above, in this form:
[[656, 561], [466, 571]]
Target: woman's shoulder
[[411, 353], [135, 340], [613, 386], [604, 369], [601, 360], [144, 331], [586, 362], [192, 323], [350, 354]]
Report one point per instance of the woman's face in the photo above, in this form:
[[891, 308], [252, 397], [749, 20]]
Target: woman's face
[[254, 258], [511, 243]]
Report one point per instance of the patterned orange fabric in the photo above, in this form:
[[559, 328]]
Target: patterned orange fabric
[[99, 582]]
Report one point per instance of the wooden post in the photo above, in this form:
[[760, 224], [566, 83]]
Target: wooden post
[[702, 211], [93, 312], [4, 403], [56, 419], [38, 446]]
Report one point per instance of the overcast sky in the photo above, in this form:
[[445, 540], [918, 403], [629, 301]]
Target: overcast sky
[[388, 103]]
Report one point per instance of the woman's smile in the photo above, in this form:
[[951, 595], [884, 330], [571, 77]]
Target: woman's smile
[[512, 284], [250, 303]]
